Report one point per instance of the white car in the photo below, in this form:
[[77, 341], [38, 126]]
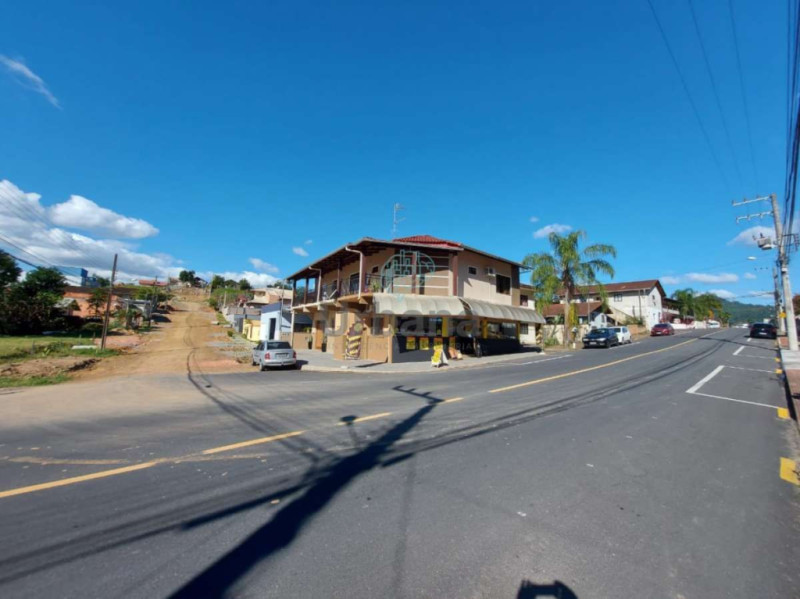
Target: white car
[[623, 334]]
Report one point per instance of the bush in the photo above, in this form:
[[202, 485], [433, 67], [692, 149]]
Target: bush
[[550, 341], [93, 328], [230, 333]]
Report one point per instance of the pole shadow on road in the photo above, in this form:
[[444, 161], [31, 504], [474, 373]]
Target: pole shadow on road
[[284, 526], [530, 590]]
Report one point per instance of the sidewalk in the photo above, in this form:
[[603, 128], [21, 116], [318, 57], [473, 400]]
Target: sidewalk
[[790, 362], [316, 361]]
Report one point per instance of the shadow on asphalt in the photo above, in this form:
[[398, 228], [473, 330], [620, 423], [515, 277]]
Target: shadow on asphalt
[[530, 590], [283, 527], [326, 476]]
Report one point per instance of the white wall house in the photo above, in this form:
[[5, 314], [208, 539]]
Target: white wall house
[[274, 321], [636, 299]]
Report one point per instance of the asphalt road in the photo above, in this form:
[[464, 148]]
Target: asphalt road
[[592, 474]]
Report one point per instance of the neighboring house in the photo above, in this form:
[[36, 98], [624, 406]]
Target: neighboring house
[[152, 283], [251, 329], [590, 314], [67, 306], [398, 300], [270, 295], [529, 334], [273, 329], [632, 300], [81, 296], [236, 316]]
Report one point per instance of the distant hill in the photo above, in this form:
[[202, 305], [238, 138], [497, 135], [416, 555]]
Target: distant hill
[[741, 312]]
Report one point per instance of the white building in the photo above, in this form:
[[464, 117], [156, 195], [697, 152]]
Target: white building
[[635, 300]]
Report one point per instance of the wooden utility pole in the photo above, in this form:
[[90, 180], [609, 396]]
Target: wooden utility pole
[[108, 303]]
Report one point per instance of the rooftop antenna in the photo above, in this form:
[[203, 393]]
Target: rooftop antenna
[[395, 220]]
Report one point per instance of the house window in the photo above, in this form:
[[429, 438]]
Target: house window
[[377, 325], [423, 326], [523, 328], [503, 284], [473, 270], [501, 330], [523, 300], [617, 297]]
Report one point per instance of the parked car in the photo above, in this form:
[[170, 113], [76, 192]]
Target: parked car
[[274, 354], [763, 330], [600, 338], [662, 328], [623, 334]]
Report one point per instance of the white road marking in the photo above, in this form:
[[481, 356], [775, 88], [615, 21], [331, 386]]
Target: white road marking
[[749, 339], [539, 361], [704, 380], [736, 353], [758, 357], [752, 403], [750, 369]]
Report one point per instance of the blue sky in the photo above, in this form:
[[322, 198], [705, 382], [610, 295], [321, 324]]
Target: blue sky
[[240, 132]]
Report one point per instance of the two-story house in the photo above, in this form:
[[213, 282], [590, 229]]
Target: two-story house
[[632, 300], [398, 300]]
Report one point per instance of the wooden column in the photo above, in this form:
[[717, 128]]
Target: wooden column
[[454, 272], [305, 292], [338, 279], [414, 272]]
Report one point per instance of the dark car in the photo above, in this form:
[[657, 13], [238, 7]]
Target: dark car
[[763, 330], [662, 328], [600, 338]]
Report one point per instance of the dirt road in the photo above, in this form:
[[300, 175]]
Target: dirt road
[[176, 346]]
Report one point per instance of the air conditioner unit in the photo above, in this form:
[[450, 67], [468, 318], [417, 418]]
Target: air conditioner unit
[[490, 271]]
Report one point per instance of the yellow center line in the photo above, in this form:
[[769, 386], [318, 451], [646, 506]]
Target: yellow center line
[[75, 479], [590, 369], [788, 471], [251, 442], [452, 399], [783, 413], [363, 418]]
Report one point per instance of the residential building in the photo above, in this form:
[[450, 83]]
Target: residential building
[[630, 301], [399, 300], [270, 295], [276, 323], [81, 296]]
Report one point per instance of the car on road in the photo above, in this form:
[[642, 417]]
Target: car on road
[[662, 328], [623, 334], [763, 330], [274, 354], [600, 338]]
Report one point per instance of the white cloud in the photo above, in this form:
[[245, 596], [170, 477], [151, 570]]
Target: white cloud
[[81, 213], [263, 267], [554, 228], [723, 293], [27, 78], [26, 224], [299, 251], [668, 280], [534, 219], [746, 236], [309, 241], [723, 277], [749, 275]]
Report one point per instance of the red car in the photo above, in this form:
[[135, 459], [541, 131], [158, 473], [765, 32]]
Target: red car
[[662, 329]]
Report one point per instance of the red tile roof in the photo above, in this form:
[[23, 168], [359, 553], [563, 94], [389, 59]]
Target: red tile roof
[[428, 240]]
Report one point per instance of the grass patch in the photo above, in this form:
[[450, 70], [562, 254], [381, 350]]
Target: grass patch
[[32, 381], [221, 319], [32, 347]]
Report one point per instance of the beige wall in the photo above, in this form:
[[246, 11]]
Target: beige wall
[[482, 286]]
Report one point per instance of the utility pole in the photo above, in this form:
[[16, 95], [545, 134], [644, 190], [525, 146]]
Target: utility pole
[[783, 263], [108, 303], [777, 294]]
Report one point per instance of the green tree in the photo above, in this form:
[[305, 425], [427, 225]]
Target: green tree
[[29, 305], [686, 301], [9, 271], [97, 300], [706, 305], [217, 281], [230, 284], [187, 276], [568, 268], [244, 285]]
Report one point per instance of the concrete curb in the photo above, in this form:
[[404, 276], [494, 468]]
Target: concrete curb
[[426, 369], [792, 401]]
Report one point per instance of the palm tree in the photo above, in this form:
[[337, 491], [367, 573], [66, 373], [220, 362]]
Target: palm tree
[[707, 304], [686, 301], [568, 268]]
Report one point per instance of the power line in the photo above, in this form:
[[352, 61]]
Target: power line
[[744, 95], [716, 93], [688, 94]]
